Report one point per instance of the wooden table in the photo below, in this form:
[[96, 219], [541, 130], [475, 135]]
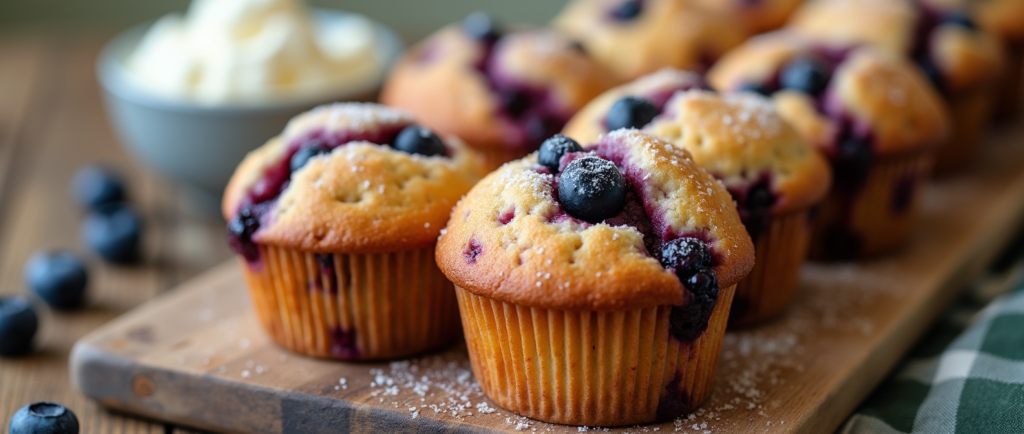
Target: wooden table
[[51, 123]]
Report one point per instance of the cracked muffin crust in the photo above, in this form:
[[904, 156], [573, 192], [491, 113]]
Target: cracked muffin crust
[[509, 239], [758, 16], [501, 93], [657, 88], [774, 175], [361, 196], [634, 38]]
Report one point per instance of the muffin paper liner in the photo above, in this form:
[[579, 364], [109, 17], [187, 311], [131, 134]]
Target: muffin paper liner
[[878, 217], [971, 114], [353, 306], [590, 368], [770, 286]]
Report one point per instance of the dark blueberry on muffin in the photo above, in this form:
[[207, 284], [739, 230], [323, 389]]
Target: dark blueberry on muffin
[[631, 112], [415, 139], [961, 20], [592, 189], [852, 162], [805, 74], [240, 230], [552, 150], [686, 256], [302, 156], [627, 10], [482, 27], [758, 88]]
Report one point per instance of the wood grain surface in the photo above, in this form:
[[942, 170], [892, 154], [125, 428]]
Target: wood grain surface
[[198, 357], [52, 122]]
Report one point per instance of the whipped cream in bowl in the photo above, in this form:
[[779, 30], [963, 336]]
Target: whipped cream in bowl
[[190, 94]]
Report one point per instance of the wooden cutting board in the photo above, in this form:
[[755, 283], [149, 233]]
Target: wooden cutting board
[[197, 357]]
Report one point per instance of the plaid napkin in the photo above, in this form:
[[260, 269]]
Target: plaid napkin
[[956, 381]]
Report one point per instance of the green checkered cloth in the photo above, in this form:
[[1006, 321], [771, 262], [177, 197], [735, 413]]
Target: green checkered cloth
[[956, 381]]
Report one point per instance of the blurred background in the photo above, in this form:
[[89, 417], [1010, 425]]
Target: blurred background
[[413, 19]]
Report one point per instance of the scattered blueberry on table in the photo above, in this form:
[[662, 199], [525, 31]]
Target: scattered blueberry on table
[[114, 231], [552, 150], [94, 186], [43, 418], [415, 139], [59, 278], [18, 326], [592, 189], [630, 112]]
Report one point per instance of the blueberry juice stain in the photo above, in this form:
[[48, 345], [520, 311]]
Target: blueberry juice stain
[[260, 199]]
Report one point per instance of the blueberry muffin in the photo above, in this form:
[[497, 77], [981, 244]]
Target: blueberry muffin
[[631, 105], [875, 116], [336, 220], [963, 62], [503, 93], [758, 16], [773, 174], [638, 37], [595, 285], [1005, 20]]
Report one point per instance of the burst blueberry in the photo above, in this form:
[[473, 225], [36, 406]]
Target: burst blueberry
[[805, 74], [630, 112], [18, 326], [592, 189], [114, 232], [240, 231], [515, 102], [415, 139], [307, 151], [685, 255], [627, 10], [480, 26], [43, 418], [94, 186], [58, 278], [552, 150]]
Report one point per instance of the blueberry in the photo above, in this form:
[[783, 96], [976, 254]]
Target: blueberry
[[415, 139], [480, 26], [114, 232], [704, 285], [627, 10], [759, 88], [515, 102], [307, 151], [18, 325], [759, 198], [43, 418], [240, 231], [552, 150], [94, 186], [852, 162], [59, 278], [960, 19], [592, 189], [685, 255], [933, 73], [630, 112], [805, 74]]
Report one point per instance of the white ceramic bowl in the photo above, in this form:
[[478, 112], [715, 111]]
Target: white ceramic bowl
[[196, 145]]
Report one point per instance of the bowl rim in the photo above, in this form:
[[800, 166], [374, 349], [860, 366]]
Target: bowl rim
[[111, 73]]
